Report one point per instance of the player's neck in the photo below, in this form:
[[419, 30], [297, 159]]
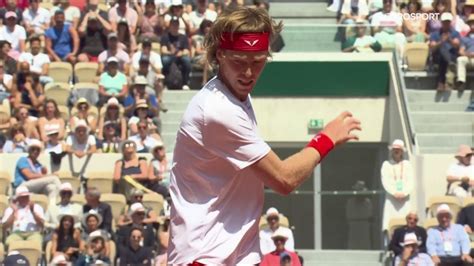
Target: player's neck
[[229, 87]]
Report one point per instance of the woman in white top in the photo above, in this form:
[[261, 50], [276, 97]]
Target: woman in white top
[[398, 181], [83, 107], [51, 120]]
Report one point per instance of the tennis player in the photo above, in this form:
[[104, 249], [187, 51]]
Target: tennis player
[[221, 163]]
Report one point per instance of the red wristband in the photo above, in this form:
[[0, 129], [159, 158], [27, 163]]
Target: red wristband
[[322, 143]]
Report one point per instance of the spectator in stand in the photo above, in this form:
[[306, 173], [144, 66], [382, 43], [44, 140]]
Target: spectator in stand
[[138, 91], [387, 26], [91, 222], [466, 55], [93, 7], [448, 243], [130, 165], [361, 42], [65, 206], [440, 7], [93, 33], [54, 147], [23, 218], [11, 6], [112, 83], [81, 143], [30, 173], [398, 181], [17, 142], [154, 58], [134, 253], [461, 17], [38, 61], [144, 140], [142, 115], [137, 214], [114, 119], [176, 12], [27, 122], [102, 208], [202, 12], [28, 90], [466, 219], [83, 106], [36, 19], [154, 85], [163, 236], [96, 251], [5, 83], [444, 45], [175, 49], [158, 168], [66, 239], [111, 141], [396, 242], [414, 27], [126, 40], [462, 170], [122, 10], [267, 244], [198, 51], [62, 40], [351, 11], [9, 63], [113, 50], [71, 13], [280, 252], [15, 258], [151, 23], [14, 34], [136, 196], [51, 120], [412, 254]]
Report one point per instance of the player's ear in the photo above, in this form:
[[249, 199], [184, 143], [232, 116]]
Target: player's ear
[[220, 55]]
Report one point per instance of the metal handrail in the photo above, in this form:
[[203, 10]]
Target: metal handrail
[[334, 192]]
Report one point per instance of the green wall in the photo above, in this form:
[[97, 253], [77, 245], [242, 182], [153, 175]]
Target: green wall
[[324, 79]]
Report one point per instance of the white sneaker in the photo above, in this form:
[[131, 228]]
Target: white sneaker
[[185, 88], [332, 8]]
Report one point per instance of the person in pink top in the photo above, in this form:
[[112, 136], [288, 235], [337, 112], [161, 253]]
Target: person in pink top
[[280, 256]]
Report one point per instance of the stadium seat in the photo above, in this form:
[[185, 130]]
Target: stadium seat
[[73, 180], [60, 71], [468, 202], [30, 249], [112, 251], [3, 206], [416, 56], [5, 113], [58, 91], [87, 90], [283, 221], [430, 223], [103, 181], [5, 181], [64, 111], [451, 201], [79, 199], [393, 224], [116, 201], [47, 252], [153, 201], [46, 5], [86, 71], [40, 199]]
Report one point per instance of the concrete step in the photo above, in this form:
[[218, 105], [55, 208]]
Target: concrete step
[[170, 140], [176, 105], [438, 150], [444, 128], [444, 139], [172, 115], [445, 117], [178, 95], [414, 95], [170, 127], [440, 106], [341, 257], [300, 10]]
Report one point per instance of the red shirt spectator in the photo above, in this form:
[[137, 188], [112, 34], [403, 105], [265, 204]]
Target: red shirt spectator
[[280, 256]]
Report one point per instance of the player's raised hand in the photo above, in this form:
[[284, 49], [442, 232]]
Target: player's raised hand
[[340, 129]]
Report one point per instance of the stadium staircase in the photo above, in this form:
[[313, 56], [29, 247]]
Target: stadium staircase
[[342, 257]]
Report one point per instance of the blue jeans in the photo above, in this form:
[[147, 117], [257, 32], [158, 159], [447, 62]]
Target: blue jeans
[[183, 62]]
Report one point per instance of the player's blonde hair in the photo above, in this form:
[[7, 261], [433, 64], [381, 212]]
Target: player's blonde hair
[[240, 19]]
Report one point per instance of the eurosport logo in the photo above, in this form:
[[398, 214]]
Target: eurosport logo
[[420, 16]]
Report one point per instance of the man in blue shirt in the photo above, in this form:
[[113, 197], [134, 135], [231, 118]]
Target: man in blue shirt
[[62, 40], [444, 45], [29, 172], [448, 243]]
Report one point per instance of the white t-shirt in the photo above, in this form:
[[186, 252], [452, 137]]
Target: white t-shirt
[[155, 60], [71, 141], [217, 202], [148, 143], [182, 24], [6, 78], [266, 242], [38, 19], [70, 13], [387, 20], [197, 18], [460, 170], [24, 222], [36, 61], [13, 37]]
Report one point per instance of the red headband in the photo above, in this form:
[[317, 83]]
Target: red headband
[[245, 42]]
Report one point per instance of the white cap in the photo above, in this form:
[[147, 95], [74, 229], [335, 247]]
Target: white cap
[[35, 143], [81, 123], [140, 80], [65, 187], [446, 16], [279, 233], [112, 59], [397, 144], [59, 259], [22, 191], [51, 131], [443, 208], [158, 144], [176, 2], [113, 101], [272, 212], [96, 234], [410, 238], [136, 207]]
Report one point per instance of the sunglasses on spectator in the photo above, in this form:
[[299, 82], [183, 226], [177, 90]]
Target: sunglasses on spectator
[[129, 145], [142, 127], [35, 149], [138, 197], [279, 239], [83, 106], [272, 218], [65, 193], [23, 113]]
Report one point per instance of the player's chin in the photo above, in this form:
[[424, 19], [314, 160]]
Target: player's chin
[[245, 87]]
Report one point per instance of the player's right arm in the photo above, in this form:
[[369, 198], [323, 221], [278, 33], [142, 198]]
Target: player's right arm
[[284, 176]]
